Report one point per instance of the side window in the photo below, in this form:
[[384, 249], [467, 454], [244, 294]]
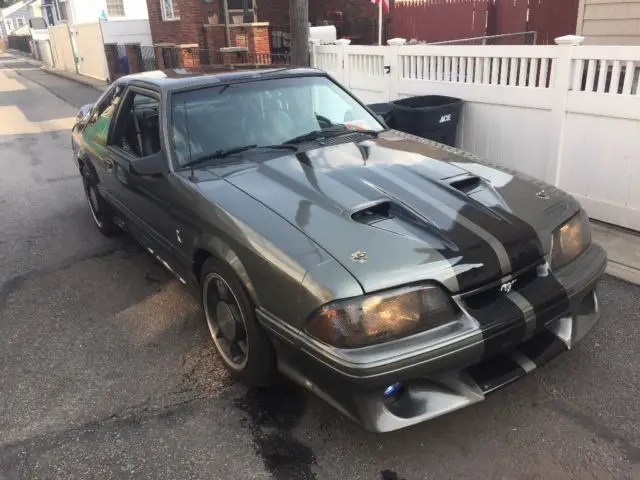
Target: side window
[[138, 131], [100, 121]]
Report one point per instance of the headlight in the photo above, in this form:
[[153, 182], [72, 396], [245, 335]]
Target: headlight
[[380, 317], [570, 240]]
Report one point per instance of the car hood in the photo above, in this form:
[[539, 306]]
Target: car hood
[[396, 210]]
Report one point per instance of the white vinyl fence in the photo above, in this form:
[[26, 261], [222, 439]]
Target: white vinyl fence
[[566, 114]]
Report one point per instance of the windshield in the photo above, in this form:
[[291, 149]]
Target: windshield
[[265, 112]]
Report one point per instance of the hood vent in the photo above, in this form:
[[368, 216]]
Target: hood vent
[[373, 213], [465, 183]]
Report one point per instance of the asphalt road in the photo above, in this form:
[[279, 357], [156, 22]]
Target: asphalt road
[[106, 370]]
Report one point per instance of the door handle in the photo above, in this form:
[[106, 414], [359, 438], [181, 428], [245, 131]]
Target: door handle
[[108, 163]]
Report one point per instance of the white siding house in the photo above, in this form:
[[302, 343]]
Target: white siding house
[[17, 16], [609, 22], [83, 11]]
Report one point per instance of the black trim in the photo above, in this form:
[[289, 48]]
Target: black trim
[[495, 373], [542, 348]]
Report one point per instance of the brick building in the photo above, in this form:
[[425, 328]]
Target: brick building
[[354, 19], [192, 23]]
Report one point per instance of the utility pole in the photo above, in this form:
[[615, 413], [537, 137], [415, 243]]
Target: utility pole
[[227, 31], [299, 26]]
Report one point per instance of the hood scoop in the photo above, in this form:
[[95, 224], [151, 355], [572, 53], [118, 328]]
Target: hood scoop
[[374, 213], [465, 183], [392, 216]]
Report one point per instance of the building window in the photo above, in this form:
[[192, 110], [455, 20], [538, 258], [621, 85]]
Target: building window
[[115, 8], [19, 22], [8, 24], [239, 4], [63, 11], [169, 10]]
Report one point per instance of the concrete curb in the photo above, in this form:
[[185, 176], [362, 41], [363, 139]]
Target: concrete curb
[[89, 82], [623, 272], [623, 249]]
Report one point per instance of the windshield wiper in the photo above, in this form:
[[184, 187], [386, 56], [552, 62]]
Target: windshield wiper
[[227, 152], [334, 131]]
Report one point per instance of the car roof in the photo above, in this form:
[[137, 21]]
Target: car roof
[[187, 78]]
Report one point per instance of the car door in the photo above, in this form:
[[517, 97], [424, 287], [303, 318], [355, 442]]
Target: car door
[[144, 199], [95, 137]]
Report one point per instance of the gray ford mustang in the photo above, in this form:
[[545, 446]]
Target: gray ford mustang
[[396, 278]]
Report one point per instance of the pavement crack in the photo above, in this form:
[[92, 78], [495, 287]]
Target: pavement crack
[[13, 284], [130, 416]]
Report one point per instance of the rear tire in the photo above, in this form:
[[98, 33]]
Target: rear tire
[[243, 346], [100, 210]]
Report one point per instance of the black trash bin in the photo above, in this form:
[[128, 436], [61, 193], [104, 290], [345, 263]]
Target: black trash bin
[[385, 110], [430, 116]]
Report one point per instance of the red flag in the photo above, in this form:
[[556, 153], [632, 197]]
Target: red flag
[[385, 4]]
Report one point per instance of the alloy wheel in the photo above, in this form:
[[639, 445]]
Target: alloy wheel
[[225, 321]]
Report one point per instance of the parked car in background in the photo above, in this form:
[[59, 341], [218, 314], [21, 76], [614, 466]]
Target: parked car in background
[[396, 278]]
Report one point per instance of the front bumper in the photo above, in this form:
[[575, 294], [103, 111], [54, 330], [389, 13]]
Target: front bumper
[[440, 377]]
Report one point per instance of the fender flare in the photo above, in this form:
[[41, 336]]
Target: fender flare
[[223, 252]]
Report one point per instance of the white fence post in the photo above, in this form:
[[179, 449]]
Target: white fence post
[[343, 60], [313, 42], [561, 81], [393, 64]]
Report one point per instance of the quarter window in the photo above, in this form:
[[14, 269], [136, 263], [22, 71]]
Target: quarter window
[[169, 10], [100, 120], [115, 8], [138, 131]]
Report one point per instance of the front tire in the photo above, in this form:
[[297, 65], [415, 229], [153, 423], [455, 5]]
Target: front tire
[[244, 347], [100, 210]]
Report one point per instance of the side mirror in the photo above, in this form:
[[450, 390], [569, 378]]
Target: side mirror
[[86, 109], [84, 113], [150, 166]]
